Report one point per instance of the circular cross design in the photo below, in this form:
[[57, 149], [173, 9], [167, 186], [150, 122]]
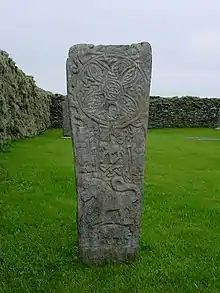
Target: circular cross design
[[112, 90]]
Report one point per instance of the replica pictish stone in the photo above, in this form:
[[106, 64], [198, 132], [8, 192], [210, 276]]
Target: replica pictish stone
[[108, 92], [66, 119]]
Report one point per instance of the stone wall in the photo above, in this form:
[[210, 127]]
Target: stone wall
[[183, 112], [168, 112], [25, 109], [56, 111]]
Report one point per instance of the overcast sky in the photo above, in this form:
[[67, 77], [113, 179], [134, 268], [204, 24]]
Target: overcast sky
[[185, 37]]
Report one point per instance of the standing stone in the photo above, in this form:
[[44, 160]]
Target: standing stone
[[218, 126], [108, 91], [66, 119]]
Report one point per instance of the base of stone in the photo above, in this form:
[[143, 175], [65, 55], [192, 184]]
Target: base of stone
[[218, 128], [100, 256], [66, 136]]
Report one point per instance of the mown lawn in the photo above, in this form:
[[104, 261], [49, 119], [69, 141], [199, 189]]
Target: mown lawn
[[180, 232]]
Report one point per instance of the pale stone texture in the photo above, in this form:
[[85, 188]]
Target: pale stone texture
[[66, 118], [108, 92]]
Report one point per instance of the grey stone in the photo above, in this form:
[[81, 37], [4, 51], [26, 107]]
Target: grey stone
[[108, 92], [66, 119]]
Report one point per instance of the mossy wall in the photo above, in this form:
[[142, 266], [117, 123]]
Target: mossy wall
[[183, 112], [25, 109], [168, 112], [56, 111]]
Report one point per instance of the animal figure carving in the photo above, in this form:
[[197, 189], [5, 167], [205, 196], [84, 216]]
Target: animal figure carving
[[98, 197]]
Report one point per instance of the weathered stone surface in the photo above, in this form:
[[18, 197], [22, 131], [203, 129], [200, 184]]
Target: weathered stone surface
[[108, 92], [66, 118]]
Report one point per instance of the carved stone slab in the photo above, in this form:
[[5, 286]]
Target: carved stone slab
[[66, 119], [108, 91]]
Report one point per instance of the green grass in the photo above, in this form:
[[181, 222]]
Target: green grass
[[180, 232]]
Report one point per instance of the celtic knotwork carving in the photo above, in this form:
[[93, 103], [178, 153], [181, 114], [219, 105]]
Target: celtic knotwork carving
[[107, 87], [108, 92]]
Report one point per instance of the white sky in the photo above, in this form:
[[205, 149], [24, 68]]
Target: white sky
[[185, 37]]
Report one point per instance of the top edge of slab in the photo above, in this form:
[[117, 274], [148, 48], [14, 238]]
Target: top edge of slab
[[92, 47]]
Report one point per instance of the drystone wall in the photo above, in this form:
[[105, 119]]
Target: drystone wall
[[25, 109], [173, 112], [183, 112], [56, 111]]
